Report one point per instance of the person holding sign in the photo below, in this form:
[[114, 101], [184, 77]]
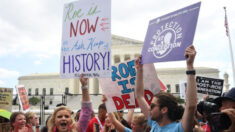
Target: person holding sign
[[62, 119], [164, 113]]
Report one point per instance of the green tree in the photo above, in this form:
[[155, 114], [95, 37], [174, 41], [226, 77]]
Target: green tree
[[34, 100]]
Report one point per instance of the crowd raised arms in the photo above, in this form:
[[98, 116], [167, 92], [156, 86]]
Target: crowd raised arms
[[164, 114]]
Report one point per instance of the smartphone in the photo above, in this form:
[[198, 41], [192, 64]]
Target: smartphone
[[219, 121]]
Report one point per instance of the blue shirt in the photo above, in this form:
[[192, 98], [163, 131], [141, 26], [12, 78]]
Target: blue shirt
[[172, 127], [127, 129]]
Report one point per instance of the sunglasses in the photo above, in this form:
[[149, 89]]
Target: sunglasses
[[121, 111], [152, 105]]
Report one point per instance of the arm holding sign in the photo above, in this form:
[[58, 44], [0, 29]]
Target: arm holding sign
[[118, 125], [139, 91], [86, 109], [129, 116], [191, 93]]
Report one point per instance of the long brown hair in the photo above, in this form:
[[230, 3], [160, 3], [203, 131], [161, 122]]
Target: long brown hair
[[175, 111], [13, 118]]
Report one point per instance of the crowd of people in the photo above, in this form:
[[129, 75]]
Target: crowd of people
[[164, 114]]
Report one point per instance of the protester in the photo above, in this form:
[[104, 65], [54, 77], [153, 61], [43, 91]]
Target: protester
[[109, 126], [45, 128], [100, 120], [227, 105], [62, 120], [18, 122], [76, 118], [138, 124], [164, 113], [126, 122], [32, 122], [77, 115]]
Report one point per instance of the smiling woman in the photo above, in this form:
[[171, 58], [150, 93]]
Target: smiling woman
[[62, 119], [18, 122]]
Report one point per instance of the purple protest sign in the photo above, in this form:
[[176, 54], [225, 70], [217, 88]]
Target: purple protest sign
[[168, 36]]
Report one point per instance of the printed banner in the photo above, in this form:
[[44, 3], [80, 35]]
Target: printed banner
[[168, 36], [119, 89], [86, 39], [23, 98], [6, 98], [211, 86]]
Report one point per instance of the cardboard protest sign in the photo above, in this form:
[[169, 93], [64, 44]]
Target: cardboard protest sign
[[6, 98], [23, 98], [183, 88], [211, 86], [168, 36], [119, 89], [86, 39]]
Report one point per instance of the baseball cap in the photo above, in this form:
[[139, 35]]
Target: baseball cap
[[230, 95]]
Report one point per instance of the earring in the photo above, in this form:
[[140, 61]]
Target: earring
[[54, 129]]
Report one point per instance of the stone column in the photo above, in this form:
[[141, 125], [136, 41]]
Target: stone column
[[122, 59], [96, 86], [226, 83], [76, 86], [112, 59]]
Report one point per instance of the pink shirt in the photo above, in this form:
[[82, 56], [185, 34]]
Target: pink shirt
[[85, 116]]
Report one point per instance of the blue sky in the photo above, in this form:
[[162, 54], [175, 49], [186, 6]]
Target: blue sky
[[30, 33]]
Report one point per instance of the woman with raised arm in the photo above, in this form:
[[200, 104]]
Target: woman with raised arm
[[62, 120]]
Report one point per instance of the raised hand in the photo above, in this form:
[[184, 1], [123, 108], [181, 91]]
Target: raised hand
[[138, 64], [84, 81], [190, 54]]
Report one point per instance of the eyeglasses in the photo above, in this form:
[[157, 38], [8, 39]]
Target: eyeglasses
[[152, 105]]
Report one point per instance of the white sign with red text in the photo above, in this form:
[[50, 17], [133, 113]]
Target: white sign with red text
[[120, 88]]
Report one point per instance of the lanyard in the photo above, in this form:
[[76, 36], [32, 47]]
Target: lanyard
[[102, 128]]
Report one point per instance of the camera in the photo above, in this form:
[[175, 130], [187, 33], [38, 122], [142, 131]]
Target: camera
[[206, 107], [219, 121]]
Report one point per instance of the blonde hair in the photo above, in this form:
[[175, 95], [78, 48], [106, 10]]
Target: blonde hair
[[52, 120], [29, 115], [140, 120]]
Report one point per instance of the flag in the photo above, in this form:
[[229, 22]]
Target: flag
[[226, 23], [162, 85]]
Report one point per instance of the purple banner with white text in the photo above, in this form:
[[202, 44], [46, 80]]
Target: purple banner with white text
[[168, 36]]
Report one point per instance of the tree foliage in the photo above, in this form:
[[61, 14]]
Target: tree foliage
[[34, 100]]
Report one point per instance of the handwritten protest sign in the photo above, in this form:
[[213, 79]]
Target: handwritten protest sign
[[86, 39], [211, 86], [23, 98], [6, 98], [119, 89], [168, 36]]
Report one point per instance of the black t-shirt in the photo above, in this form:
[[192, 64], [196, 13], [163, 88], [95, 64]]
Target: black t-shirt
[[124, 122]]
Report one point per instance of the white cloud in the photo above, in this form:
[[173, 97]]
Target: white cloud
[[4, 73], [37, 62], [1, 82]]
